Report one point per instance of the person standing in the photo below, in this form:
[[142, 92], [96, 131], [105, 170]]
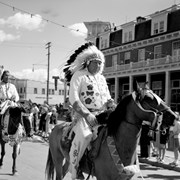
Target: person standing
[[164, 137], [35, 111], [145, 140], [176, 135], [52, 119], [42, 122]]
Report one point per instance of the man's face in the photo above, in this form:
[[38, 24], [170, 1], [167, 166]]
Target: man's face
[[94, 66], [6, 77]]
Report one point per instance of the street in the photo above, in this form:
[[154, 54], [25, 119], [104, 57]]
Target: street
[[32, 161], [149, 172]]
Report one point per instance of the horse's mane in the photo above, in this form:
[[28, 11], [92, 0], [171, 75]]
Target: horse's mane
[[118, 115], [14, 111]]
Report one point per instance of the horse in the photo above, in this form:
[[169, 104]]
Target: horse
[[12, 131], [117, 149]]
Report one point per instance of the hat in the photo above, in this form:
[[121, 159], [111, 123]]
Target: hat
[[3, 74], [54, 109], [81, 57]]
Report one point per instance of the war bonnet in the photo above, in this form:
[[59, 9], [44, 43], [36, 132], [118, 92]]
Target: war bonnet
[[81, 57]]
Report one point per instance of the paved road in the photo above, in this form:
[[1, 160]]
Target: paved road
[[32, 161]]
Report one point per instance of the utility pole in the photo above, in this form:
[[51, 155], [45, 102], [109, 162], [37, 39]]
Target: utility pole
[[48, 45]]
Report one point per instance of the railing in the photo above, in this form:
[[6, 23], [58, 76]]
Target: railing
[[141, 64]]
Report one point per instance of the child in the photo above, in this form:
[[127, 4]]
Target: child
[[164, 137]]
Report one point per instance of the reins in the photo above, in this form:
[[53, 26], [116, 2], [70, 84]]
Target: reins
[[158, 112]]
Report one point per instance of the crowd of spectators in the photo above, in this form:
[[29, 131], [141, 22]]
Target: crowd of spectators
[[44, 117], [156, 143]]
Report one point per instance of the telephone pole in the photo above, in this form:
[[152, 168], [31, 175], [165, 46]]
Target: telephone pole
[[48, 45]]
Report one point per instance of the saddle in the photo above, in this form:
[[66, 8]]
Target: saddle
[[95, 145]]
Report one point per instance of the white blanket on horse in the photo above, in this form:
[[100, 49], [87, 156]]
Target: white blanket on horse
[[4, 105]]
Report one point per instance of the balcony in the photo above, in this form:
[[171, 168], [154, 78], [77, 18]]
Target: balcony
[[160, 64]]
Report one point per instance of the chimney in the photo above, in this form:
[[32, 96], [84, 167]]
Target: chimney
[[140, 19]]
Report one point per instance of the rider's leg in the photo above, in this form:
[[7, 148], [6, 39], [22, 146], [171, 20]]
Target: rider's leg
[[83, 136]]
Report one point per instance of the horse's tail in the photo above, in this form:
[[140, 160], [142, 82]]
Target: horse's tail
[[49, 171]]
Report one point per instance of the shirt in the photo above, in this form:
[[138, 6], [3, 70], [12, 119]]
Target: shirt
[[7, 91], [91, 90], [176, 129], [35, 109]]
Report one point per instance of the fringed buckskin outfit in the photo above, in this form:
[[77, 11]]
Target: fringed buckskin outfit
[[8, 97], [7, 90], [88, 96]]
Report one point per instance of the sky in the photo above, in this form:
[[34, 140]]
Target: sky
[[26, 26]]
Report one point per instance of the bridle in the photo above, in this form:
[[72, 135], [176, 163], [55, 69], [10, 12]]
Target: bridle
[[151, 108], [158, 113]]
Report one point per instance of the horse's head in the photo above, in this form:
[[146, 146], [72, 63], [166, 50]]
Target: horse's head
[[151, 101], [26, 116]]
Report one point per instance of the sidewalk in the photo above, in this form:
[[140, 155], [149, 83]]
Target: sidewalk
[[169, 157]]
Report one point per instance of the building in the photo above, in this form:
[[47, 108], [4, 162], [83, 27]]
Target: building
[[36, 91], [147, 49]]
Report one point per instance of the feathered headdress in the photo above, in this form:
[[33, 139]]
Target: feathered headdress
[[79, 59]]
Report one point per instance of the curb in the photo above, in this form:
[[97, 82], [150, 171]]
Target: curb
[[157, 164]]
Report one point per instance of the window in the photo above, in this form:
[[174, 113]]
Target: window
[[161, 26], [157, 87], [127, 57], [130, 36], [141, 54], [35, 91], [24, 89], [114, 59], [21, 90], [106, 43], [176, 48], [60, 92], [108, 61], [126, 37], [52, 91], [155, 28], [175, 95], [125, 89], [175, 84], [157, 52], [112, 91], [43, 91]]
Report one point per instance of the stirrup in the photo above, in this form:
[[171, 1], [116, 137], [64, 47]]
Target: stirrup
[[80, 175]]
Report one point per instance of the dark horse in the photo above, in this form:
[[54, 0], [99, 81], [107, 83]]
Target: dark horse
[[123, 128], [13, 129]]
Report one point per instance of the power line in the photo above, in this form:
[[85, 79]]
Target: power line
[[22, 45], [44, 19]]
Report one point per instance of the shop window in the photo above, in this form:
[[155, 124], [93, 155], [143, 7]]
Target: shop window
[[35, 91]]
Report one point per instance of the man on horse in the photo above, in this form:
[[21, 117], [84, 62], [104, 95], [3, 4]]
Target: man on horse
[[89, 96], [8, 93]]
